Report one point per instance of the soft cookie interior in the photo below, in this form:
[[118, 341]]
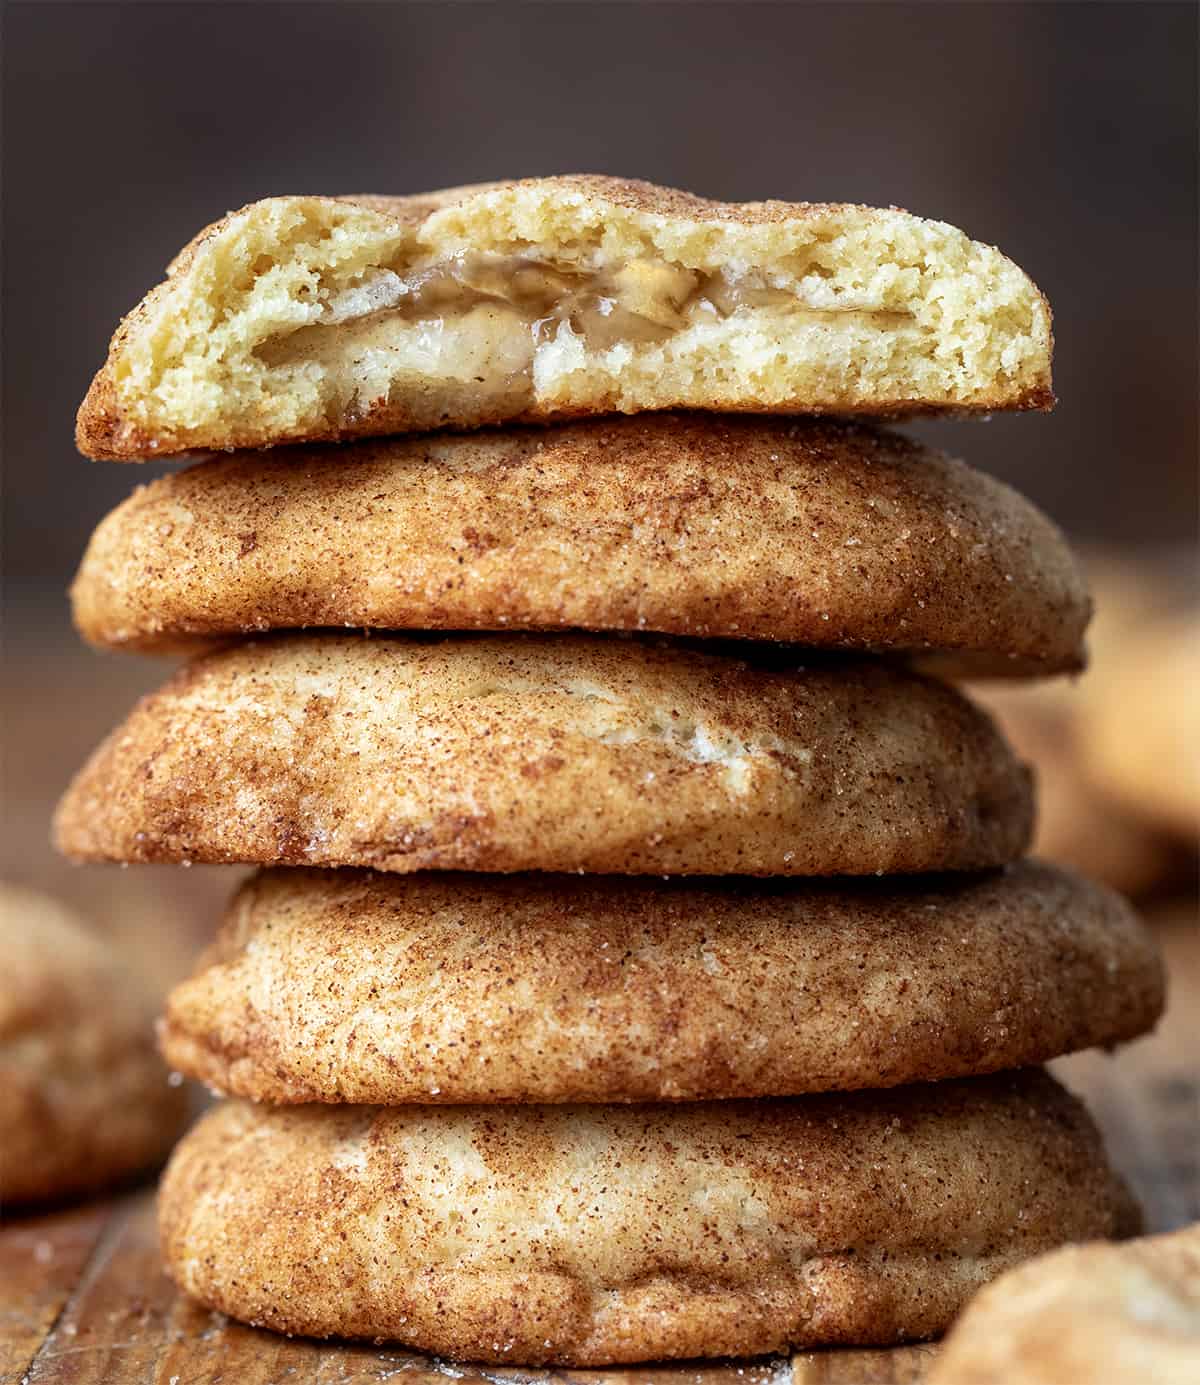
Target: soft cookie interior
[[310, 317]]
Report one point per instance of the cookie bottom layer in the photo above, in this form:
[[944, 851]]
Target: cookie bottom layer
[[590, 1235]]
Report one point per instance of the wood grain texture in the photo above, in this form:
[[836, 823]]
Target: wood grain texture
[[41, 1263]]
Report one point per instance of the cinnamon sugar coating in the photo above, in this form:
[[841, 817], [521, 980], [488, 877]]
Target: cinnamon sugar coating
[[589, 1235], [509, 753], [353, 986], [823, 534]]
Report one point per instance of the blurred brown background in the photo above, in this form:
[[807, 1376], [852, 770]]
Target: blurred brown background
[[1065, 133]]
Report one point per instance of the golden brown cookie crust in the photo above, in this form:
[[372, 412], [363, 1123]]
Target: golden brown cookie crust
[[822, 534], [84, 1099], [595, 1235], [352, 986], [570, 753], [209, 358], [1085, 1314]]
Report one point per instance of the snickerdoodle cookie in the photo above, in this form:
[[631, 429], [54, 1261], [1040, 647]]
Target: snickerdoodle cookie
[[1141, 733], [1086, 1315], [84, 1098], [1115, 752], [313, 318], [822, 534], [352, 986], [1078, 824], [594, 1234], [508, 753]]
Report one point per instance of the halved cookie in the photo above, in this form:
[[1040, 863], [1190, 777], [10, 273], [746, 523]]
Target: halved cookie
[[309, 318], [352, 986], [1124, 1315], [509, 753], [84, 1098], [586, 1235], [818, 533]]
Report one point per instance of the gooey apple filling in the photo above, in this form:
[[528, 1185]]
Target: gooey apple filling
[[484, 319]]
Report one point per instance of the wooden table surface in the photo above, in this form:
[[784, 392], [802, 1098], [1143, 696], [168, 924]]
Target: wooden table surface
[[83, 1298]]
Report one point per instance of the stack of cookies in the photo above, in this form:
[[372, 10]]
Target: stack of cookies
[[507, 1089]]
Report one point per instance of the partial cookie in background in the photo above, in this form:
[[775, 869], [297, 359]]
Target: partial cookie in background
[[318, 318], [825, 535], [1118, 779], [1078, 823], [350, 986], [569, 753], [84, 1098], [1085, 1315], [588, 1235], [1142, 728]]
